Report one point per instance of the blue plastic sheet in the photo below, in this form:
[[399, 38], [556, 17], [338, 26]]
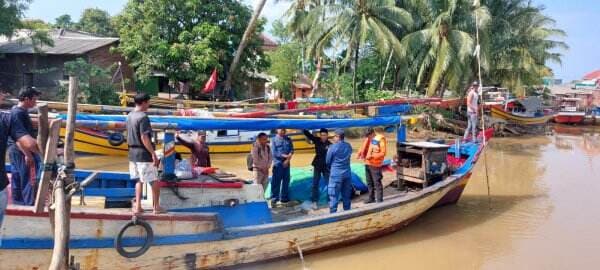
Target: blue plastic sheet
[[252, 123]]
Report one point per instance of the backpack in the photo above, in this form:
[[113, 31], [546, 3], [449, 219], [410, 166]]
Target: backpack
[[249, 162]]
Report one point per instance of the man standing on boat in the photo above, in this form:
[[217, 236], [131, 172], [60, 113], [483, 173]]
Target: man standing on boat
[[199, 149], [374, 157], [143, 162], [472, 111], [25, 162], [261, 159], [283, 150], [321, 143], [340, 177], [10, 127]]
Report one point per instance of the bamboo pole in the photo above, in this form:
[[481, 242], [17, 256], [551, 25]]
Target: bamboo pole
[[60, 254], [42, 136]]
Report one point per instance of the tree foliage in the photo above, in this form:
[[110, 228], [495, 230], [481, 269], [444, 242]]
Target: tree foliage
[[285, 65], [433, 42], [187, 39], [95, 86], [64, 21], [96, 21]]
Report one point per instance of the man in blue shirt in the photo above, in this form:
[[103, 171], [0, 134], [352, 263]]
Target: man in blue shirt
[[340, 174], [25, 162], [13, 128], [283, 150]]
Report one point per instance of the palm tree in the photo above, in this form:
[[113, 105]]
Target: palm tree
[[245, 39], [439, 50], [522, 44], [356, 22]]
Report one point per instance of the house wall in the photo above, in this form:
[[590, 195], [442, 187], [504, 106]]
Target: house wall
[[47, 71]]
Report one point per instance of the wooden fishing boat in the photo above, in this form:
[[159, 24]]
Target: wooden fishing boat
[[521, 112], [98, 142], [223, 223], [569, 112]]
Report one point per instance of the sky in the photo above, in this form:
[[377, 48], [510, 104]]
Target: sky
[[575, 17]]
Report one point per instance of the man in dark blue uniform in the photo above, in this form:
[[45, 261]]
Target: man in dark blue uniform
[[283, 150], [25, 162], [340, 177], [12, 128], [320, 168]]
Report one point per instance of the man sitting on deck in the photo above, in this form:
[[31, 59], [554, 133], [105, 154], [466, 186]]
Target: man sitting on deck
[[340, 177], [283, 150], [25, 162], [321, 143], [143, 162], [200, 152]]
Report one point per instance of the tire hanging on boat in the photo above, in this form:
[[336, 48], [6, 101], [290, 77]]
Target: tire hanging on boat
[[116, 139], [147, 243]]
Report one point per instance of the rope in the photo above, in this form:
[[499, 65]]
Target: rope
[[480, 90]]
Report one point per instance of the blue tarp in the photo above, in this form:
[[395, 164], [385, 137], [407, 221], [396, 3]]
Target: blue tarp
[[251, 123]]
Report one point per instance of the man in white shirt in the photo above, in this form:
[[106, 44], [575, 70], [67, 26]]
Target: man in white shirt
[[472, 111]]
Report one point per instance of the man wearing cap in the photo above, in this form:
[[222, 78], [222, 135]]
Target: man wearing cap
[[25, 161], [283, 150], [374, 157], [472, 111], [340, 176], [200, 152], [321, 143], [10, 127]]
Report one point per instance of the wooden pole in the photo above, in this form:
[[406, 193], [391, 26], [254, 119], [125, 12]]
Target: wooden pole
[[42, 136], [49, 160], [60, 254]]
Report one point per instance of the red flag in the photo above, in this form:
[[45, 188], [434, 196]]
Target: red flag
[[211, 84]]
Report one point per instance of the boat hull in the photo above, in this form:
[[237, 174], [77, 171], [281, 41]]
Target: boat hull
[[259, 243], [516, 119], [569, 118], [97, 143]]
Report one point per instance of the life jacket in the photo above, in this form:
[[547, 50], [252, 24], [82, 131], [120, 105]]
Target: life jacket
[[376, 151]]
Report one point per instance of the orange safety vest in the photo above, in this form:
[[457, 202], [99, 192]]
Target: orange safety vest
[[376, 151]]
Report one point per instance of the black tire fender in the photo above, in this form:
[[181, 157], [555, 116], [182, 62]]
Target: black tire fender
[[147, 243]]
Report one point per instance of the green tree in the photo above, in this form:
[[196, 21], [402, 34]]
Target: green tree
[[439, 50], [11, 12], [357, 22], [523, 41], [187, 39], [64, 21], [95, 86], [285, 65], [96, 21]]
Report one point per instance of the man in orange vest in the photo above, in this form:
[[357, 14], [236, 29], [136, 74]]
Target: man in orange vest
[[374, 156]]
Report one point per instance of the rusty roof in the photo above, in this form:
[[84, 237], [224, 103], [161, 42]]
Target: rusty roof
[[65, 42]]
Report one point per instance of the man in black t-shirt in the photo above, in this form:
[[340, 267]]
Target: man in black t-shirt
[[143, 162], [25, 162], [11, 128]]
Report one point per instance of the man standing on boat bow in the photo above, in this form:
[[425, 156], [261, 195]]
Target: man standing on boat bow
[[283, 150], [143, 162], [340, 177], [321, 143], [472, 111]]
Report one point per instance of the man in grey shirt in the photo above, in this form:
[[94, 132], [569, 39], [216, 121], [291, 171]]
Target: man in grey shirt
[[143, 162]]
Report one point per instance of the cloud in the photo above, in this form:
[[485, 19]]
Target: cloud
[[272, 11]]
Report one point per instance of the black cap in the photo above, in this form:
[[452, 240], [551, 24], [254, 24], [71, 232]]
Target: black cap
[[29, 92], [141, 98], [323, 130]]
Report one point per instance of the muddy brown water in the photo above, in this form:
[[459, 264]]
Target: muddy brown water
[[545, 213]]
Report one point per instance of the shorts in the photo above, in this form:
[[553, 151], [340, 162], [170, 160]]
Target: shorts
[[146, 172]]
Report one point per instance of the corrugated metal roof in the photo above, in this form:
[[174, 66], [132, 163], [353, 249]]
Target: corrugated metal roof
[[65, 42], [594, 75]]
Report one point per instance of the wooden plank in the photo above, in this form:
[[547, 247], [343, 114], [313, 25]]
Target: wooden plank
[[49, 159], [42, 136]]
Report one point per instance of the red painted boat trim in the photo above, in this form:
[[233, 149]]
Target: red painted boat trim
[[28, 212], [569, 119], [189, 184]]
